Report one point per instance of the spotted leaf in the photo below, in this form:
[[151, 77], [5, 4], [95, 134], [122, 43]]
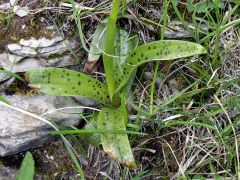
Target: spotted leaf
[[114, 144], [64, 82], [155, 51]]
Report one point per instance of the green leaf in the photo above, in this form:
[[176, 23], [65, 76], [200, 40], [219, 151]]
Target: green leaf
[[155, 51], [93, 138], [26, 171], [97, 43], [115, 145], [201, 7], [175, 123], [190, 6], [125, 44], [64, 82]]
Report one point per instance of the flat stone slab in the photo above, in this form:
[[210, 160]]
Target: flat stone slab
[[40, 48], [31, 63], [20, 131], [7, 173], [6, 83], [40, 43]]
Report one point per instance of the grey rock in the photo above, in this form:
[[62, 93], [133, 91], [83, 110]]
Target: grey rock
[[174, 86], [14, 58], [40, 43], [34, 53], [176, 30], [13, 2], [20, 132], [20, 11], [30, 63], [7, 173], [85, 101], [3, 57], [22, 50], [149, 76], [36, 48], [4, 77], [10, 173], [5, 6], [14, 47], [176, 35], [57, 49], [6, 83]]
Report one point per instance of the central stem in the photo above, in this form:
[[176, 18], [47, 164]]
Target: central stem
[[108, 54]]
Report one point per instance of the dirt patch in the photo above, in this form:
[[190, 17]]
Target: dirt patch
[[52, 161]]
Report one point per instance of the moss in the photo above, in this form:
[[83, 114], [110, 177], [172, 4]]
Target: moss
[[19, 87], [12, 31], [58, 55]]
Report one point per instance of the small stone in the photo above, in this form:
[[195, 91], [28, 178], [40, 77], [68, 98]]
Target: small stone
[[13, 2], [177, 35], [85, 101], [7, 173], [14, 58], [42, 19], [33, 43], [149, 76], [14, 47], [20, 11], [58, 48], [22, 50], [174, 86], [5, 6], [27, 51], [40, 43]]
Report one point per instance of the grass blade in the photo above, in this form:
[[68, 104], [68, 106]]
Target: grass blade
[[97, 131], [97, 43], [175, 123]]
